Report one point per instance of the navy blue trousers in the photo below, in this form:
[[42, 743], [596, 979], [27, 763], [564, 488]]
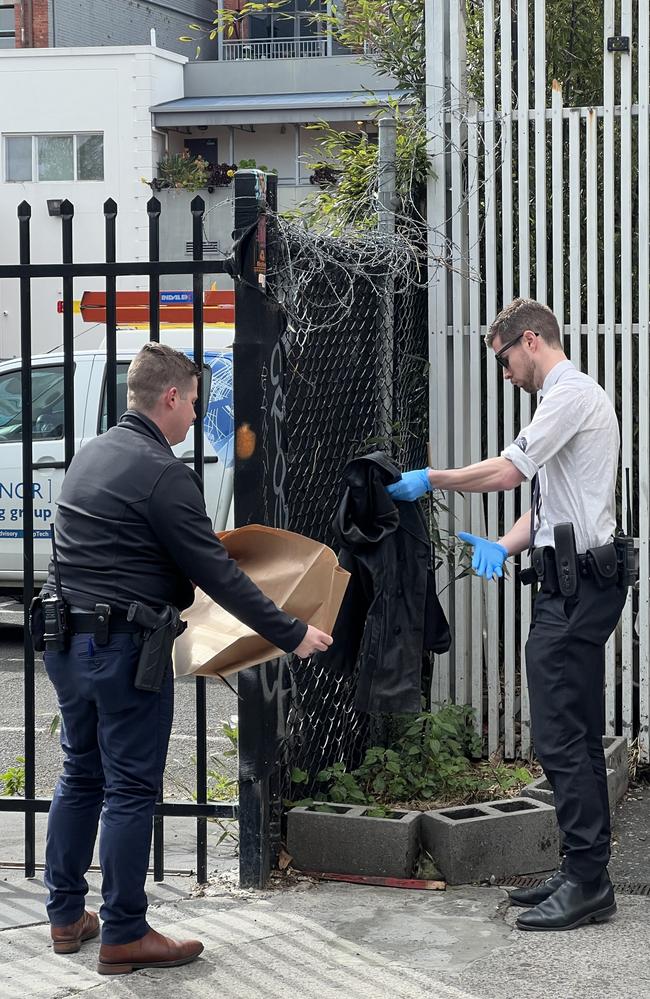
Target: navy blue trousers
[[565, 665], [114, 740]]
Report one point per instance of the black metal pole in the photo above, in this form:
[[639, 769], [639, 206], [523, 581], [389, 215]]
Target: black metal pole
[[24, 219], [260, 498], [110, 215], [67, 215], [198, 209], [153, 211]]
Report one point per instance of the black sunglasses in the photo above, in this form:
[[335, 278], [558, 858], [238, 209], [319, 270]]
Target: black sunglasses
[[500, 358]]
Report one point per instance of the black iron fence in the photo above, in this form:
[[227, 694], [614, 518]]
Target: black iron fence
[[309, 394], [27, 274]]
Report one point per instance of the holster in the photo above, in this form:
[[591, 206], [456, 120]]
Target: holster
[[538, 563], [566, 560], [159, 632], [541, 570], [627, 558], [37, 624], [603, 565]]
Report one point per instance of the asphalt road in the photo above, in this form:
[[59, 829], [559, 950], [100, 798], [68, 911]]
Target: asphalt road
[[221, 705]]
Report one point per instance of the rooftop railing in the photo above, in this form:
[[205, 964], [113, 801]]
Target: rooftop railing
[[278, 48]]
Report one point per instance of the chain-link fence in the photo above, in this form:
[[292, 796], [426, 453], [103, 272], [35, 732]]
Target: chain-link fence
[[356, 380]]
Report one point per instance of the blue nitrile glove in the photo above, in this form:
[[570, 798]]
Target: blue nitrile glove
[[489, 556], [411, 486]]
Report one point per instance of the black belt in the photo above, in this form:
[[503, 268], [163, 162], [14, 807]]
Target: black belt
[[548, 578], [84, 623]]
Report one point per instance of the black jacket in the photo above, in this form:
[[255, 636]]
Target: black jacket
[[390, 613], [131, 525]]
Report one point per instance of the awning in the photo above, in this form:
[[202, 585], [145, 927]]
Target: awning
[[262, 109]]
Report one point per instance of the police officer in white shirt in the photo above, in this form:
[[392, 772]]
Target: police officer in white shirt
[[569, 451]]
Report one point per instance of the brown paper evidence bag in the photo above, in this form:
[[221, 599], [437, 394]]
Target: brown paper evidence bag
[[301, 576]]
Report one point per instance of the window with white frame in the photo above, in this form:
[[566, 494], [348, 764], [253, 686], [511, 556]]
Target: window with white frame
[[7, 26], [54, 157]]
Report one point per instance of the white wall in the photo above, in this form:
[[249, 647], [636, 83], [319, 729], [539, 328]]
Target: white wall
[[75, 90], [283, 76], [111, 90]]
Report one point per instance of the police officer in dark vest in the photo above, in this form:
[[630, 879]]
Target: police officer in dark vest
[[132, 536], [570, 453]]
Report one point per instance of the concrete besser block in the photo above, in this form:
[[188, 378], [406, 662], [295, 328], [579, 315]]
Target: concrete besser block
[[616, 760], [348, 841], [617, 775], [495, 838]]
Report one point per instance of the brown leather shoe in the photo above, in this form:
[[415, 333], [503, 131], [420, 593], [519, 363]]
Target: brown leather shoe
[[152, 951], [68, 939]]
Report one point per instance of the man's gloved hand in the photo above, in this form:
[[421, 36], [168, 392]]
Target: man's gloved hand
[[411, 486], [489, 556]]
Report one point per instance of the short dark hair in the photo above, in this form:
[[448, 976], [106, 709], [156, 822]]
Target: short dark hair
[[154, 369], [525, 314]]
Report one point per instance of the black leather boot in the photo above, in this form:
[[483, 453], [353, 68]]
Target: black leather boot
[[533, 896], [573, 904]]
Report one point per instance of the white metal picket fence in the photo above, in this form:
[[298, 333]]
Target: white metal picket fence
[[531, 197]]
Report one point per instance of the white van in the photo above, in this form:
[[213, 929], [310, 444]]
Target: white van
[[91, 420]]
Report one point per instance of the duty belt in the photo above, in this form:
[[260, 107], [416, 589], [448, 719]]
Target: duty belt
[[84, 622], [598, 564]]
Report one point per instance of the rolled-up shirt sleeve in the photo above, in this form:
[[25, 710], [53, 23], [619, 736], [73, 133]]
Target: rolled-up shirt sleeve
[[557, 419]]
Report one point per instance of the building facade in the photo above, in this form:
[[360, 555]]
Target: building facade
[[89, 123], [79, 127], [86, 23]]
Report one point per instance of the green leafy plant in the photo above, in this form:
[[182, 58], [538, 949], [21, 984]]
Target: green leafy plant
[[220, 785], [343, 786], [13, 779], [431, 758], [191, 173], [231, 731], [182, 170], [347, 172]]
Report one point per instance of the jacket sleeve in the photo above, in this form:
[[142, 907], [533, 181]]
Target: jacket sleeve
[[178, 517]]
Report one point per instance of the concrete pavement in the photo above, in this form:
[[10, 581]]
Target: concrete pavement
[[321, 940], [315, 941]]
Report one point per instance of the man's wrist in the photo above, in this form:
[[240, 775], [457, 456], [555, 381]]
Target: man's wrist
[[431, 472]]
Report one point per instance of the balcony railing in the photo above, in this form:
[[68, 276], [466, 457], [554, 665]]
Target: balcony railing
[[279, 48]]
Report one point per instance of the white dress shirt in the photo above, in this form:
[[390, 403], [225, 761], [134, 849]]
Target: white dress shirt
[[572, 444]]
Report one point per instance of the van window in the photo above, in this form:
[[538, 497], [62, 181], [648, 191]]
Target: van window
[[47, 405], [122, 369]]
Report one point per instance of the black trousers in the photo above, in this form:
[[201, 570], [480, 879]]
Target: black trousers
[[114, 739], [565, 662]]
